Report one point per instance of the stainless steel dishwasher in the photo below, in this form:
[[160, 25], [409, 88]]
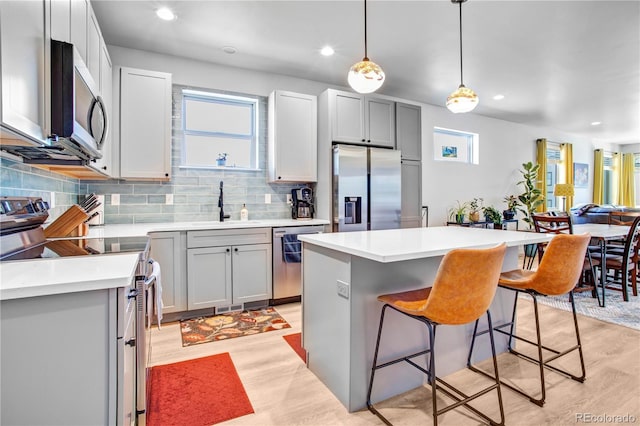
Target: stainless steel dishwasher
[[287, 266]]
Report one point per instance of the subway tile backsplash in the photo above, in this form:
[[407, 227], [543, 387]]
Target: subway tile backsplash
[[18, 179], [195, 191]]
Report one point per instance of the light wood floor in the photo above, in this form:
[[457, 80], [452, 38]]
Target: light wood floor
[[284, 392]]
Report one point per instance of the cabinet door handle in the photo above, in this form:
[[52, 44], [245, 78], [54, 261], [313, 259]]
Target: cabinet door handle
[[236, 249], [228, 250], [364, 140], [130, 342]]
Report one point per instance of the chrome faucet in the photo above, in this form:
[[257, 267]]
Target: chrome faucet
[[221, 205]]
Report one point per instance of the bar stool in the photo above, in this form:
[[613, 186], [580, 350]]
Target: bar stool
[[557, 274], [462, 291]]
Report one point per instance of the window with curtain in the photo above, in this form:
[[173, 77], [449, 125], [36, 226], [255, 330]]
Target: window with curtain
[[636, 174], [219, 127], [609, 179], [555, 173]]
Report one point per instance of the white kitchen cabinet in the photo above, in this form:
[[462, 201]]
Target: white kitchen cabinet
[[79, 21], [105, 164], [169, 250], [25, 64], [94, 45], [228, 267], [144, 116], [409, 131], [293, 137], [61, 20], [362, 119], [411, 194]]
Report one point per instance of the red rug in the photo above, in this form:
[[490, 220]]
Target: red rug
[[197, 392], [295, 341]]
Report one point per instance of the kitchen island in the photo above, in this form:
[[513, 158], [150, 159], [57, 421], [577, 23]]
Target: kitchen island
[[343, 273]]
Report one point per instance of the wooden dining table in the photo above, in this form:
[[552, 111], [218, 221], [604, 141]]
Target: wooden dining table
[[603, 233]]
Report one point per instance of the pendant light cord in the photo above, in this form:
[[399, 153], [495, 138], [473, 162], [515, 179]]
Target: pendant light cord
[[365, 31], [461, 80]]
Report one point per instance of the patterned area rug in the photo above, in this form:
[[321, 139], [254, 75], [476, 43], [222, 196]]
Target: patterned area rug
[[616, 310], [228, 326]]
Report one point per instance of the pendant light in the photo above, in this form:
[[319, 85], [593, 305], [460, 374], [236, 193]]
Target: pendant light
[[365, 76], [463, 99]]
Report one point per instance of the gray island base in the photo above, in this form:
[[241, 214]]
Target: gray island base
[[343, 273]]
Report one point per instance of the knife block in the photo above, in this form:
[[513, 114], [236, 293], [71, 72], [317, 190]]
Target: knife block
[[67, 224]]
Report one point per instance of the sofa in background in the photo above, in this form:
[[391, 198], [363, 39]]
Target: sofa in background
[[594, 213]]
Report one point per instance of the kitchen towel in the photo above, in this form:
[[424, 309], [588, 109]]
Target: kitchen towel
[[155, 290], [291, 248]]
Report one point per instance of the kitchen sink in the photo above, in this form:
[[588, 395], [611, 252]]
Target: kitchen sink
[[225, 223]]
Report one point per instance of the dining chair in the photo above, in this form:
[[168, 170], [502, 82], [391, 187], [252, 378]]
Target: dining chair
[[557, 274], [562, 224], [624, 263], [464, 286]]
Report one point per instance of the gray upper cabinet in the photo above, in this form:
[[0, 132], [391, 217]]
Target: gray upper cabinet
[[293, 137], [411, 194], [24, 63], [361, 119], [409, 131]]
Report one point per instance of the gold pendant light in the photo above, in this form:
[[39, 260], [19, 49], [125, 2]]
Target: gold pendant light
[[462, 99], [365, 76]]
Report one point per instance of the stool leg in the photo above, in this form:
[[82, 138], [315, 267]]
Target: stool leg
[[374, 365], [495, 368], [432, 370], [575, 323]]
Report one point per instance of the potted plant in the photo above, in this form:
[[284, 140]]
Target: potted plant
[[475, 206], [491, 214], [457, 213], [512, 202], [222, 159], [531, 197]]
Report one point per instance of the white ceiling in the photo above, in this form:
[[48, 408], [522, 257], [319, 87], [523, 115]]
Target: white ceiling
[[559, 64]]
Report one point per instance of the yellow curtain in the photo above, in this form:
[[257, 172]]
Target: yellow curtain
[[627, 193], [617, 178], [566, 153], [541, 157], [598, 176]]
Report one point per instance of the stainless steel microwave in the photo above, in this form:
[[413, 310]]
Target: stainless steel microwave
[[78, 113]]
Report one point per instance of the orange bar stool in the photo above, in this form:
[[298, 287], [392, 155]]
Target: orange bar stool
[[557, 274], [475, 270]]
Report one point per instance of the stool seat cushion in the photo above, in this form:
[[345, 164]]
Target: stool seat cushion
[[410, 302]]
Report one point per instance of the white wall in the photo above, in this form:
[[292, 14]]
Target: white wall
[[504, 146]]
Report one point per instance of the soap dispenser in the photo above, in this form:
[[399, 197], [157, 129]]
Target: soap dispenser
[[244, 213]]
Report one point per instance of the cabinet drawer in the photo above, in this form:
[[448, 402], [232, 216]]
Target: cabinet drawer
[[227, 237]]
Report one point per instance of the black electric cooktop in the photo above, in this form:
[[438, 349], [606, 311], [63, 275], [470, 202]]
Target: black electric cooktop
[[79, 247]]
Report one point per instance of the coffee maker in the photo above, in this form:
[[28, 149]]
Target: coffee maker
[[302, 203]]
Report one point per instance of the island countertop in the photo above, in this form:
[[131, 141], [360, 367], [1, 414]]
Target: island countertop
[[393, 245]]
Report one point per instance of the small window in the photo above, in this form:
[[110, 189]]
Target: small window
[[608, 178], [219, 130], [455, 145], [554, 172]]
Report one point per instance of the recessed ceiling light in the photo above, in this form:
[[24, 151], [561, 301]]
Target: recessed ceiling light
[[596, 123], [498, 97], [327, 51], [166, 14], [229, 49]]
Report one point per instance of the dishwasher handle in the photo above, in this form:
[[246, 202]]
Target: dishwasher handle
[[283, 233]]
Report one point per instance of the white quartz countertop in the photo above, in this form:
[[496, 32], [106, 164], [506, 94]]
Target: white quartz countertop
[[41, 277], [142, 229], [395, 245]]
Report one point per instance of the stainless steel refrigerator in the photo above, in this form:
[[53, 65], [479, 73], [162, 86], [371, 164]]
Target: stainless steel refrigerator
[[366, 188]]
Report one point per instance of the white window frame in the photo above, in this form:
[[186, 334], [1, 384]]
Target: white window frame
[[222, 99], [468, 143]]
